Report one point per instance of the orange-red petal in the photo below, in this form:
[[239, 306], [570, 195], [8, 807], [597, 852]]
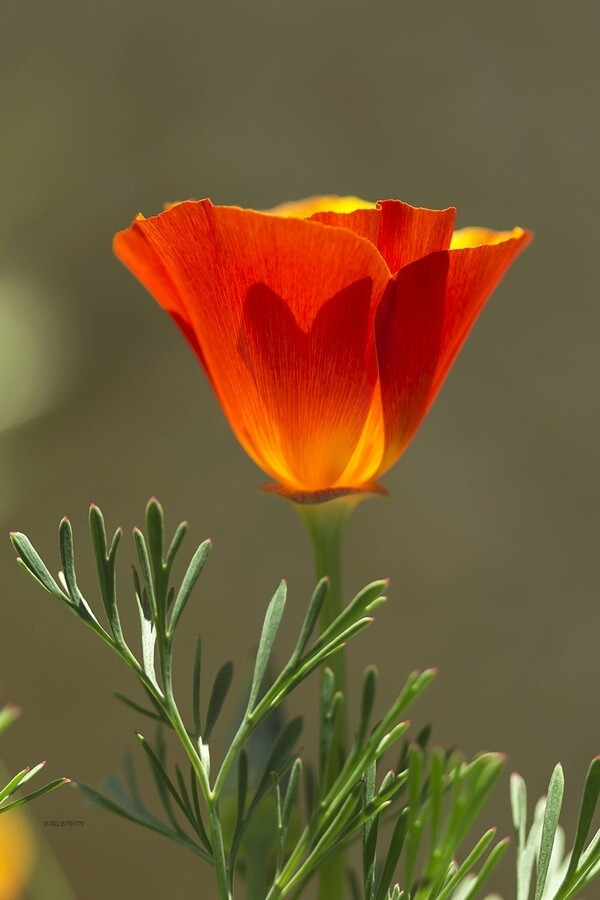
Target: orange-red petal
[[402, 233], [423, 320], [476, 267], [408, 332], [282, 312]]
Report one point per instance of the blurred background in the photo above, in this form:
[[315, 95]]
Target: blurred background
[[490, 533]]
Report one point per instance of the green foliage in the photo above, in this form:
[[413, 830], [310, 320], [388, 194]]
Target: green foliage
[[558, 875], [183, 798], [8, 714], [276, 821], [437, 805]]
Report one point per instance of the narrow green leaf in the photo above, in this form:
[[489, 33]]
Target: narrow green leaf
[[290, 797], [51, 786], [310, 789], [138, 708], [194, 814], [369, 688], [390, 738], [242, 790], [388, 779], [488, 867], [551, 817], [142, 552], [269, 631], [166, 791], [413, 844], [166, 788], [327, 726], [195, 796], [393, 855], [220, 688], [312, 614], [324, 652], [105, 565], [148, 647], [464, 869], [31, 773], [13, 784], [187, 585], [436, 791], [145, 818], [532, 844], [183, 793], [155, 525], [277, 764], [422, 738], [589, 801], [175, 545], [197, 677], [141, 595], [34, 565], [98, 532], [370, 832], [240, 823], [279, 861], [170, 598], [353, 612], [591, 854], [518, 804], [65, 532], [114, 545], [278, 758]]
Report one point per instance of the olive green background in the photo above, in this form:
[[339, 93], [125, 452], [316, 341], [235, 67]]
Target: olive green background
[[490, 532]]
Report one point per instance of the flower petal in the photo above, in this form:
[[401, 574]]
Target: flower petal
[[282, 310], [408, 332], [423, 321], [478, 237], [475, 269], [402, 233]]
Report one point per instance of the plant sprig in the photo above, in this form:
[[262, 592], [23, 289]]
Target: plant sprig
[[558, 875], [8, 715], [160, 610], [431, 798]]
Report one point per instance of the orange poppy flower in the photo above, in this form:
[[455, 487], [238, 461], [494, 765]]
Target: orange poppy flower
[[326, 327]]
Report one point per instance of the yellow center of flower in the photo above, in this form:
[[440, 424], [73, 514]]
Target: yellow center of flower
[[302, 209]]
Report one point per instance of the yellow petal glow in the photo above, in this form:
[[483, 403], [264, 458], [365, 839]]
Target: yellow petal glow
[[479, 237], [302, 209]]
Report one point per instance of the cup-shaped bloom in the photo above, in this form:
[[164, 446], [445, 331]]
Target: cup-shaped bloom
[[325, 327]]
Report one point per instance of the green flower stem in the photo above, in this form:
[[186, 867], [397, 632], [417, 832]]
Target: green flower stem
[[325, 523], [218, 846]]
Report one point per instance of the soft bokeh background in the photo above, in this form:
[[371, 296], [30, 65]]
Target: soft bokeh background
[[490, 533]]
